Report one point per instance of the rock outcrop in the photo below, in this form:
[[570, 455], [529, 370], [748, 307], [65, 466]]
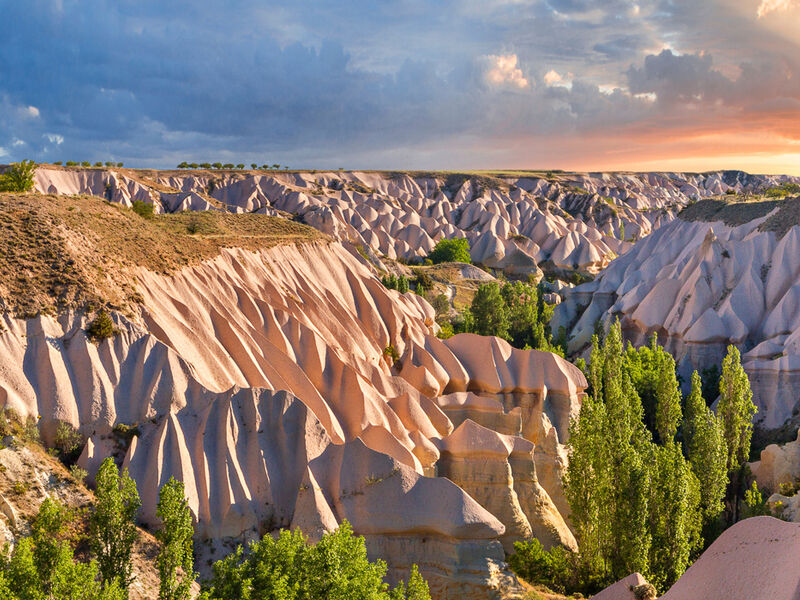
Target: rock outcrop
[[721, 274], [261, 380], [756, 558], [564, 221]]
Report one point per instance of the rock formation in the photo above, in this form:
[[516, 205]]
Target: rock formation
[[756, 558], [260, 379], [721, 274], [562, 221]]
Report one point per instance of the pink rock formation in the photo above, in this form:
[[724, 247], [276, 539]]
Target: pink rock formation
[[259, 379], [573, 221], [756, 558], [623, 589], [702, 286]]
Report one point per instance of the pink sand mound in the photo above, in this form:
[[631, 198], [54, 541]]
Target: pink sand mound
[[756, 559]]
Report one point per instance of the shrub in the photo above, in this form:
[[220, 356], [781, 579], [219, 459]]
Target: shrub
[[143, 209], [389, 281], [101, 328], [19, 177], [253, 166], [86, 163], [98, 164], [183, 165], [58, 163], [537, 565], [68, 442], [109, 163], [71, 163], [119, 164], [289, 568], [453, 250], [441, 304], [240, 166], [422, 281], [78, 474], [228, 166], [402, 284], [391, 353]]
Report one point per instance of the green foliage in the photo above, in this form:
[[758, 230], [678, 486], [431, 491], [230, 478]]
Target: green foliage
[[19, 177], [490, 311], [391, 353], [441, 305], [783, 190], [143, 209], [706, 450], [177, 550], [755, 503], [735, 408], [389, 281], [453, 250], [635, 504], [652, 371], [402, 284], [553, 568], [288, 568], [422, 281], [78, 474], [446, 330], [42, 566], [101, 327], [68, 441], [112, 525]]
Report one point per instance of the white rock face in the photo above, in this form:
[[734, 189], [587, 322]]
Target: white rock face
[[260, 380], [702, 286], [568, 221]]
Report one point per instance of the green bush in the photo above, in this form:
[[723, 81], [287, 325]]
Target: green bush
[[289, 568], [402, 284], [68, 442], [143, 209], [454, 250], [19, 177], [101, 327], [534, 564]]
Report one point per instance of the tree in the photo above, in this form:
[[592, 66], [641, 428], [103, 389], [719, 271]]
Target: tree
[[183, 165], [706, 450], [19, 177], [253, 166], [175, 535], [453, 250], [402, 284], [522, 301], [490, 311], [634, 504], [735, 408], [240, 166], [112, 525], [288, 568], [668, 399]]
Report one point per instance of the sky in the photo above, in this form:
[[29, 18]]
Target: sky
[[688, 85]]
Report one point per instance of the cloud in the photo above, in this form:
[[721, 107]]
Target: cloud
[[503, 71], [32, 112], [54, 138], [768, 6]]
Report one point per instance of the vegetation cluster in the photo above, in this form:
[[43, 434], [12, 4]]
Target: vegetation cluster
[[653, 478]]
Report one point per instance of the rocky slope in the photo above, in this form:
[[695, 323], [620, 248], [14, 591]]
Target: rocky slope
[[261, 378], [723, 273], [513, 221]]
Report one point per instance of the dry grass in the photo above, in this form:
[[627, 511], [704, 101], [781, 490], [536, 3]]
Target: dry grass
[[735, 213], [61, 252]]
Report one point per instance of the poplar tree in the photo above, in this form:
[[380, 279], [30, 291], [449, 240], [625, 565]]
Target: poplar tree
[[112, 525], [706, 450], [177, 550], [735, 408], [668, 399]]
